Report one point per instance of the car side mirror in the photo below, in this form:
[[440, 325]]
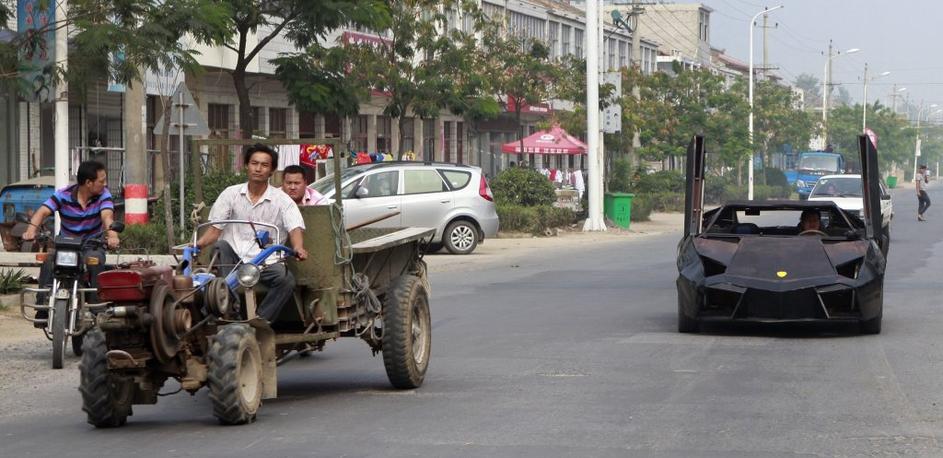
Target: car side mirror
[[362, 192], [117, 226], [885, 197]]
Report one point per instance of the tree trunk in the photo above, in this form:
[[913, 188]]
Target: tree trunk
[[245, 106], [520, 125], [165, 163], [402, 135]]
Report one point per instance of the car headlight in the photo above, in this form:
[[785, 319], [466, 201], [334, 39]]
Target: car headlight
[[248, 275], [67, 258], [800, 184]]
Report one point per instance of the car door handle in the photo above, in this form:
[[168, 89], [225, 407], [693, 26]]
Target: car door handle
[[391, 207], [444, 201]]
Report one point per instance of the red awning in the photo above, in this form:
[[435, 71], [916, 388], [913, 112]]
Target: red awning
[[554, 141]]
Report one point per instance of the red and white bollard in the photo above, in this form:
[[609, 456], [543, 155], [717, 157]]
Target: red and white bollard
[[135, 204]]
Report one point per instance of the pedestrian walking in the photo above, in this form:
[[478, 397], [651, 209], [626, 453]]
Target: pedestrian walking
[[923, 199]]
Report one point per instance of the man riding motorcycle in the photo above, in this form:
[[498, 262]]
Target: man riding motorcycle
[[84, 209]]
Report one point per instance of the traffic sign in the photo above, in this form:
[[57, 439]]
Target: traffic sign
[[191, 120]]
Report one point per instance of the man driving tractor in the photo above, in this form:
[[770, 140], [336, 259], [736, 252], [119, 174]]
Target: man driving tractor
[[256, 200]]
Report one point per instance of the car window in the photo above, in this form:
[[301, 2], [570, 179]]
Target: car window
[[456, 179], [380, 184], [422, 181], [837, 187], [348, 191], [326, 183]]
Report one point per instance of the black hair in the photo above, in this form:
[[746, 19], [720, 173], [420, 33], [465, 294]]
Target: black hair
[[809, 212], [260, 148], [923, 166], [295, 169], [88, 170]]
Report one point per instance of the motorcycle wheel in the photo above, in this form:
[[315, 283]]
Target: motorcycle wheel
[[59, 315]]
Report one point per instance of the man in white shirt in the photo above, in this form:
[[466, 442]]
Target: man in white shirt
[[923, 199], [256, 200]]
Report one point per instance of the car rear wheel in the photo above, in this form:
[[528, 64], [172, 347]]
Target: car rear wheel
[[461, 237]]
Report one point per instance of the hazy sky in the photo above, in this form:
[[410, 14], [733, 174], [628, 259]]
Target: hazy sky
[[904, 37]]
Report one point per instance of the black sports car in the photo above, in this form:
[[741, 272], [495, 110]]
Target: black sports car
[[753, 261]]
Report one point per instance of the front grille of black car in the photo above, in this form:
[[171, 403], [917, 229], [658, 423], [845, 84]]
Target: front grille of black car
[[786, 305], [719, 302]]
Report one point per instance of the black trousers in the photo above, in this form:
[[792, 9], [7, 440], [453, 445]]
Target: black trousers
[[279, 281], [923, 202]]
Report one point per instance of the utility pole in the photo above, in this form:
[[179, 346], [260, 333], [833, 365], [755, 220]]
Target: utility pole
[[61, 94], [766, 67], [826, 88], [864, 110], [594, 220], [637, 11]]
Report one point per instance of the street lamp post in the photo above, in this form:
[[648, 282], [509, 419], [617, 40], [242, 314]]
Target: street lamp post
[[827, 85], [864, 109], [750, 166], [917, 140]]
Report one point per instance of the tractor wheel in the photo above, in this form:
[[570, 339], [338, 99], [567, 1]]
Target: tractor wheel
[[77, 344], [106, 398], [407, 332], [59, 315], [235, 375]]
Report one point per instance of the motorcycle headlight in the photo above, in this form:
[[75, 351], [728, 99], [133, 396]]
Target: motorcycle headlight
[[67, 258], [800, 184], [248, 275]]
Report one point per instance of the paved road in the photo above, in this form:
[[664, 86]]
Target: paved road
[[575, 354]]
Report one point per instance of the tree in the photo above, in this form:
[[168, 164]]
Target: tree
[[303, 22], [525, 73], [812, 88], [777, 120]]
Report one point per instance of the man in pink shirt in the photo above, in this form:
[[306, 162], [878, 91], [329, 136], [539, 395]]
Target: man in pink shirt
[[295, 185]]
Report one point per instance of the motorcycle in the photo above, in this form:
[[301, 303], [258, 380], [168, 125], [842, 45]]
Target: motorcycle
[[67, 317]]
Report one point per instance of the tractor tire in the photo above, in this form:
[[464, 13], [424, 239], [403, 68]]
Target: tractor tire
[[77, 344], [106, 398], [407, 332], [59, 315], [461, 237], [235, 375]]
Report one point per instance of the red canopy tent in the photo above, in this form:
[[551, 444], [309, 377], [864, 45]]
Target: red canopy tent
[[554, 141]]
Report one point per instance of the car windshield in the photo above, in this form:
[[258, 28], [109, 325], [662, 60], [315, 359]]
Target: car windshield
[[774, 221], [325, 185], [819, 163], [837, 187]]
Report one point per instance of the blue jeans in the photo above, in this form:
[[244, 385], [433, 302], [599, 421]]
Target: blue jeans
[[923, 202]]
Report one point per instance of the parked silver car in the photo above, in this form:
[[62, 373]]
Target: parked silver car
[[454, 199]]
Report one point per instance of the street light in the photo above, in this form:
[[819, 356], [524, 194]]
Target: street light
[[827, 84], [864, 109], [750, 168], [917, 142]]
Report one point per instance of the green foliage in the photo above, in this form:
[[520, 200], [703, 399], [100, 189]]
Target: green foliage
[[775, 177], [213, 184], [620, 176], [522, 186], [766, 192], [533, 219], [641, 208], [12, 281], [671, 181], [148, 238]]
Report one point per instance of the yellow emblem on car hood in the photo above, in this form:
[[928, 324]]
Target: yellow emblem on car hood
[[781, 274]]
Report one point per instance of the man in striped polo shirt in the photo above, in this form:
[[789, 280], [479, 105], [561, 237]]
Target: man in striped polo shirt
[[85, 208]]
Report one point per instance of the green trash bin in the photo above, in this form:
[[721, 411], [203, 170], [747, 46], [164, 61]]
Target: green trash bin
[[617, 206], [891, 181]]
